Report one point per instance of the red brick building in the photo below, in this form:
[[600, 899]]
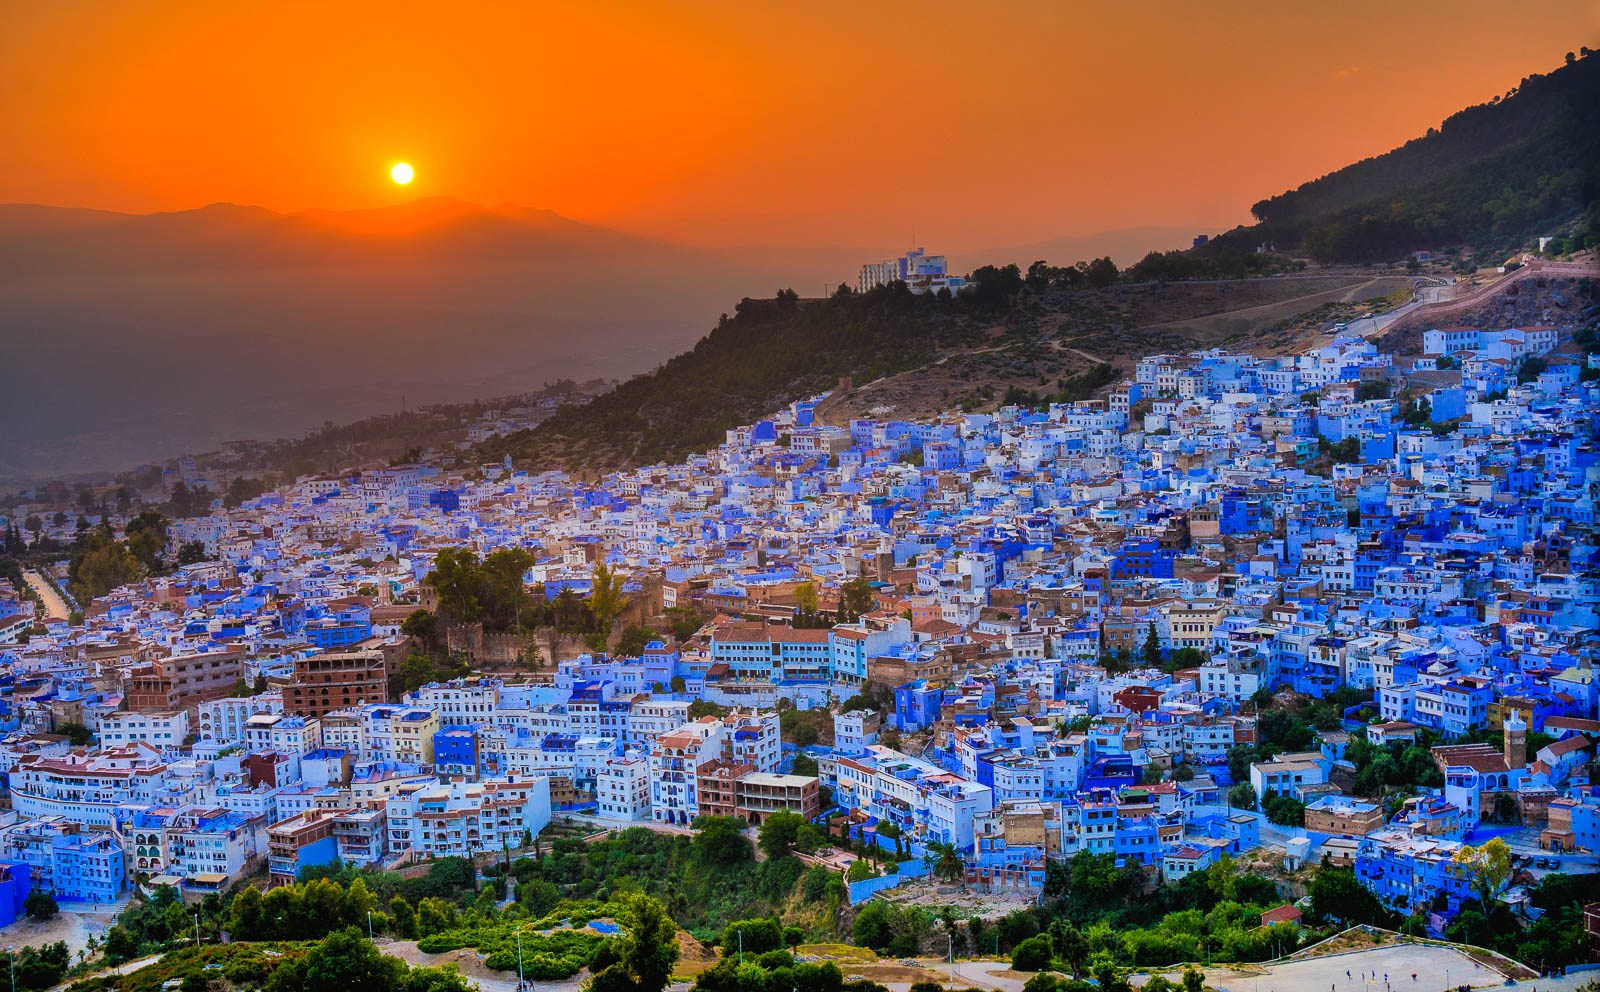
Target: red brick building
[[337, 680]]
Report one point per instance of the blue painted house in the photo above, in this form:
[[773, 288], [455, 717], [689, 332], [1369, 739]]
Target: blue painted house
[[455, 751], [15, 884]]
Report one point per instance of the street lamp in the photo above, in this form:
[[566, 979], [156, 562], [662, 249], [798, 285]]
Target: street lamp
[[519, 957], [369, 927], [950, 942], [11, 957], [197, 928]]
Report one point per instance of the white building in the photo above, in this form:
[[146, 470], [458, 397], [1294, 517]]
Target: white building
[[622, 789], [87, 788], [754, 739], [854, 730], [465, 818], [675, 760], [921, 272], [166, 731], [224, 719]]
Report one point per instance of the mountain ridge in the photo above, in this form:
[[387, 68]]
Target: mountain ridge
[[1490, 177]]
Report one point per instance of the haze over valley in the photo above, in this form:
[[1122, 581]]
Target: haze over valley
[[137, 337]]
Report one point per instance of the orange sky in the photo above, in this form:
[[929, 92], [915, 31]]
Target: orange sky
[[747, 122]]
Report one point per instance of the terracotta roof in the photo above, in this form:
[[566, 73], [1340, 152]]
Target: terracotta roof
[[1283, 914], [1567, 745], [1573, 723], [1482, 758]]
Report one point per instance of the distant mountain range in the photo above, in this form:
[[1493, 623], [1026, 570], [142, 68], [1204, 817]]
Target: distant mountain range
[[136, 337]]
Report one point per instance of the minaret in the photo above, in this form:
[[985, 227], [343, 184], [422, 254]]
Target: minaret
[[1516, 741]]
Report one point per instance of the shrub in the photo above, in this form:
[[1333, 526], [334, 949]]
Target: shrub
[[752, 936], [1033, 954]]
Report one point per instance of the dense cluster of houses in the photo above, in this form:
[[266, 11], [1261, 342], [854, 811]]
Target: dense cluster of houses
[[1075, 614]]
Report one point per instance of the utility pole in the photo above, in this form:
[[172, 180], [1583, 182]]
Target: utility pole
[[950, 941], [738, 930], [519, 957], [197, 928], [369, 927]]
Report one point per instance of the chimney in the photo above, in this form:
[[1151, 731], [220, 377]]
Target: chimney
[[1516, 732]]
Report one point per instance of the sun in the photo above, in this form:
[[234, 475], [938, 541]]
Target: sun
[[401, 173]]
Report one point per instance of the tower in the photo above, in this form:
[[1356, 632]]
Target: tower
[[1516, 732]]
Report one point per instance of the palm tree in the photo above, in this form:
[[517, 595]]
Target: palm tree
[[946, 861]]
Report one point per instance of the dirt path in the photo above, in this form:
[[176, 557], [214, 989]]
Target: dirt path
[[1062, 346], [470, 964], [602, 826], [126, 968]]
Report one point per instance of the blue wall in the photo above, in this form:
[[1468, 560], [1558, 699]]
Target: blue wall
[[867, 886], [15, 883]]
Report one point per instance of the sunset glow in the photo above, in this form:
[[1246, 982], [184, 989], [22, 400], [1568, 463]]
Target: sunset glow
[[831, 122]]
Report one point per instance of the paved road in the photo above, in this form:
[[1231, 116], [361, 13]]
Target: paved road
[[1450, 302], [54, 605], [1436, 968], [1368, 327], [985, 975]]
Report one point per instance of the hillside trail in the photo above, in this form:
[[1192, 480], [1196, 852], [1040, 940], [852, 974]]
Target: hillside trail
[[1060, 345]]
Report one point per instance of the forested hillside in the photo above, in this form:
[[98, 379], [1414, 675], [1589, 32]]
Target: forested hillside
[[768, 353], [1490, 177]]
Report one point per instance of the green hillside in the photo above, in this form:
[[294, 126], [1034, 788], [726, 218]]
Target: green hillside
[[1491, 177]]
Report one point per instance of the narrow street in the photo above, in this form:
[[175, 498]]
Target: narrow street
[[54, 605]]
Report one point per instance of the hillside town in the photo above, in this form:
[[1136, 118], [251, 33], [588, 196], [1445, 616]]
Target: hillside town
[[1338, 607]]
